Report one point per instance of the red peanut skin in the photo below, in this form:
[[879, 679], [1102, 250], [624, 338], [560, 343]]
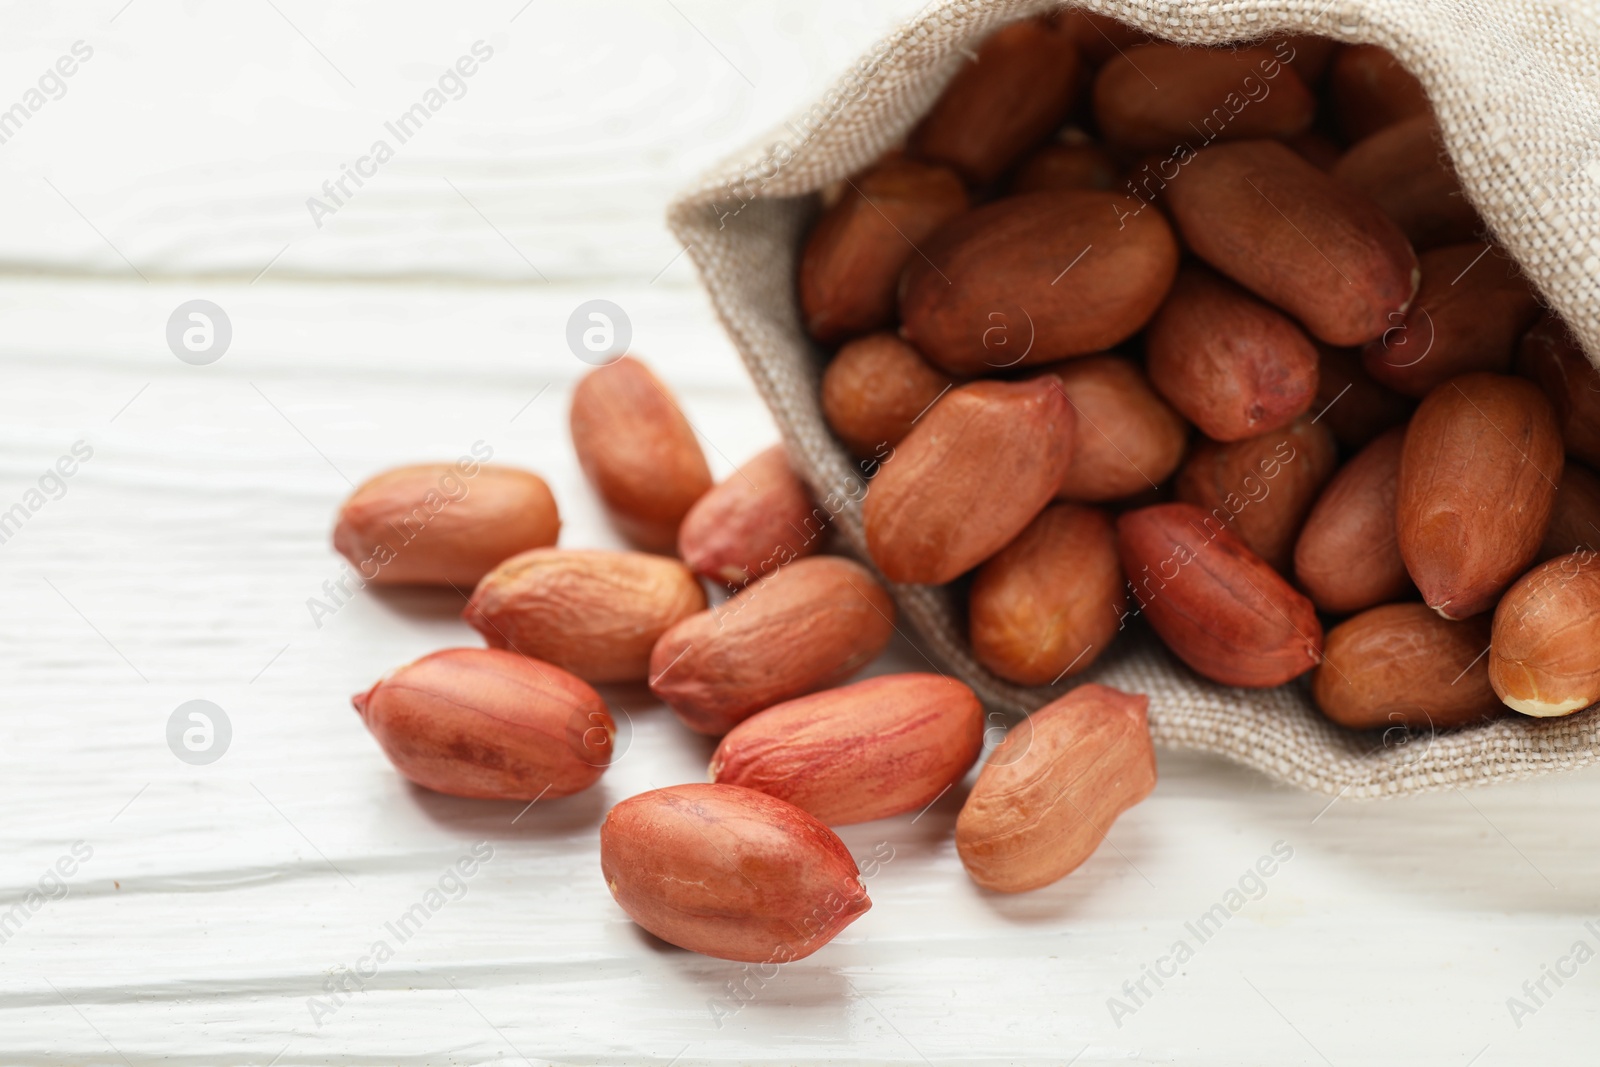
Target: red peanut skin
[[811, 625], [1404, 170], [638, 451], [1478, 479], [1369, 90], [400, 527], [973, 473], [1232, 365], [866, 751], [1012, 95], [594, 612], [874, 391], [1048, 605], [1403, 665], [1552, 357], [1263, 487], [1004, 285], [480, 722], [1292, 235], [1353, 405], [854, 254], [1068, 165], [1472, 309], [1348, 556], [1545, 654], [758, 519], [1050, 791], [1575, 519], [1125, 437], [729, 872], [1156, 96], [1098, 37], [1223, 610]]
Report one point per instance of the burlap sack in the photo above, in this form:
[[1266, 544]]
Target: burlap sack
[[1516, 85]]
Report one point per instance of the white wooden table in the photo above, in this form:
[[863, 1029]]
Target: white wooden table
[[213, 912]]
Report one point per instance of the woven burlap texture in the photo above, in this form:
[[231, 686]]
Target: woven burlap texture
[[1516, 85]]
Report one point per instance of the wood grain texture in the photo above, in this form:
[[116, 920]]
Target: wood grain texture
[[177, 566]]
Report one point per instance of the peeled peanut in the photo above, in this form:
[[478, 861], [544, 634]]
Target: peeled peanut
[[1218, 606], [1351, 403], [1036, 278], [479, 722], [1157, 96], [976, 469], [730, 872], [638, 451], [1125, 439], [1292, 235], [1404, 170], [854, 254], [1552, 357], [760, 518], [1478, 479], [1575, 519], [1050, 602], [866, 751], [1472, 309], [810, 625], [1370, 91], [443, 523], [598, 614], [1403, 665], [1009, 97], [875, 389], [1234, 366], [1049, 792], [1545, 659], [1262, 488], [1068, 164], [1348, 556]]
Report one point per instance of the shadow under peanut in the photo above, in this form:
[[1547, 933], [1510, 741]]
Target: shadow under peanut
[[514, 820]]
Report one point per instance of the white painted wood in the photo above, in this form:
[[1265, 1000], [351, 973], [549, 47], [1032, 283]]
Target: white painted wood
[[219, 899]]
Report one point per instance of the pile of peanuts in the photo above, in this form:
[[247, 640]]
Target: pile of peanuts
[[1125, 333]]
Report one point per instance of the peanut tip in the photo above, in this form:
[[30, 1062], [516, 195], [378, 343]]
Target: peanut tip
[[1545, 709]]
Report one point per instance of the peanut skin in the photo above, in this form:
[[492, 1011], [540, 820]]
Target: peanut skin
[[880, 747], [759, 518], [854, 254], [1478, 477], [1403, 665], [1050, 603], [995, 450], [593, 612], [1232, 365], [1292, 235], [479, 722], [810, 625], [730, 872], [1034, 279], [443, 523], [1125, 438], [638, 451], [1545, 657], [1049, 792], [1218, 606], [1348, 556], [1015, 91]]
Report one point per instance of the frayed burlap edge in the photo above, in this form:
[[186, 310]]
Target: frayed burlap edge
[[1516, 87]]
